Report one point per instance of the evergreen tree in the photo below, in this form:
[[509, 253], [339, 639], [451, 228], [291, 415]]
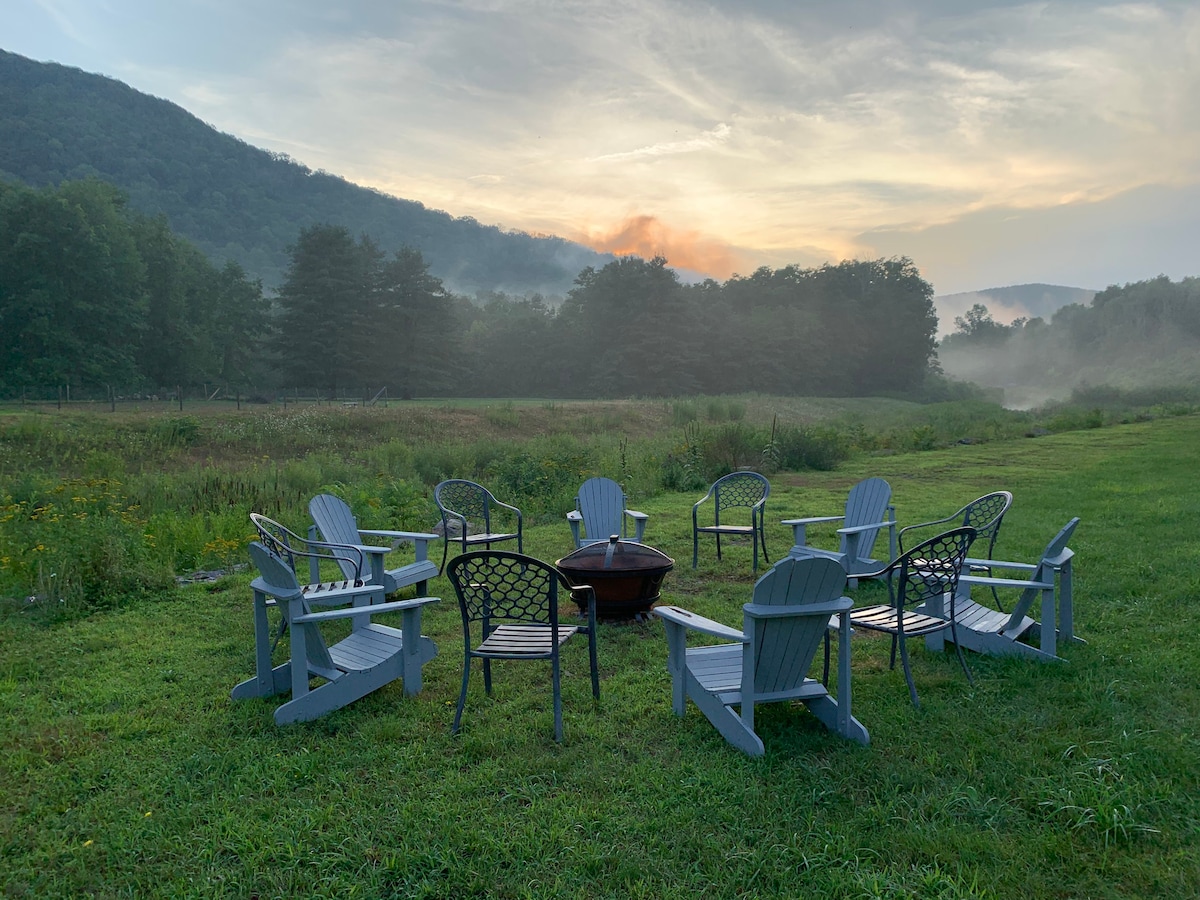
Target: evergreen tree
[[324, 327]]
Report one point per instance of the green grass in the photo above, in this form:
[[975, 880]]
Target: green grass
[[126, 770]]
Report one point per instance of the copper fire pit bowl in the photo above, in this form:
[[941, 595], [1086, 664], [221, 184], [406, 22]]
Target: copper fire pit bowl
[[626, 576]]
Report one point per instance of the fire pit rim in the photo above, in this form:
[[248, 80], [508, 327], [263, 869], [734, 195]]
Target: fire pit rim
[[620, 592]]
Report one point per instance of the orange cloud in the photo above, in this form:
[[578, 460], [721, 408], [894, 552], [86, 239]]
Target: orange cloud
[[647, 236]]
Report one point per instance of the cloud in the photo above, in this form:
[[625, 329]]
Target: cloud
[[705, 141], [647, 236]]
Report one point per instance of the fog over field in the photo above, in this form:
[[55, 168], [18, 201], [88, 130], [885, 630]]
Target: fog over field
[[1022, 340]]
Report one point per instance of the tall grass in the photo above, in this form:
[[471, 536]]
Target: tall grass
[[178, 487]]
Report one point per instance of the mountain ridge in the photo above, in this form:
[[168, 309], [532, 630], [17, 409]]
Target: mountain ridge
[[240, 202], [1011, 302]]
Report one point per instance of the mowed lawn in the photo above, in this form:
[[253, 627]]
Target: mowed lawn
[[126, 770]]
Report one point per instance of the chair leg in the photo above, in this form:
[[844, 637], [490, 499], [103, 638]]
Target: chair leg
[[558, 725], [825, 670], [595, 663], [892, 662], [718, 545], [912, 688], [462, 696], [445, 547], [754, 551], [762, 540], [958, 649], [695, 548], [487, 677]]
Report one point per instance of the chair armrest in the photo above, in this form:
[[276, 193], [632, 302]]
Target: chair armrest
[[634, 514], [987, 581], [352, 611], [681, 617], [954, 517], [829, 608], [574, 516], [374, 549], [856, 529], [999, 564], [1062, 559], [508, 507], [398, 537], [813, 520]]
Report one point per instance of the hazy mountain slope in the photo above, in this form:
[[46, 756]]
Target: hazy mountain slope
[[236, 201], [1007, 303]]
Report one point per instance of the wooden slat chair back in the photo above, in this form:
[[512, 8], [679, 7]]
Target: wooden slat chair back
[[868, 510], [334, 520], [737, 490], [371, 656], [600, 510], [509, 606], [927, 574], [987, 630], [769, 659], [468, 510]]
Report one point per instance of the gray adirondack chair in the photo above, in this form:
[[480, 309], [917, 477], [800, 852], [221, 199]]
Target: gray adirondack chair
[[986, 630], [737, 490], [600, 510], [334, 521], [471, 516], [509, 606], [916, 579], [768, 660], [868, 509], [371, 656]]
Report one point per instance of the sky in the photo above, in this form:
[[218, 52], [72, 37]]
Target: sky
[[993, 143]]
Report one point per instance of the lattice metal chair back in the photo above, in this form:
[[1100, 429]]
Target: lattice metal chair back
[[509, 606], [920, 582], [984, 514], [737, 490], [467, 509], [289, 546]]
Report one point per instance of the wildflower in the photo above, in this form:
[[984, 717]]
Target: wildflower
[[88, 842]]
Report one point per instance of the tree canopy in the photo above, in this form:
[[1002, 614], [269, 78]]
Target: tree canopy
[[92, 293]]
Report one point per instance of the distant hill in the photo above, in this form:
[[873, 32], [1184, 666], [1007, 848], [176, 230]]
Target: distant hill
[[1007, 303], [236, 201]]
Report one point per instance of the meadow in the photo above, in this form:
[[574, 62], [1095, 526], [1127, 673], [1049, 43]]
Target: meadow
[[127, 771]]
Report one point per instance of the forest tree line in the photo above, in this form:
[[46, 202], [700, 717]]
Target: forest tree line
[[92, 293]]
